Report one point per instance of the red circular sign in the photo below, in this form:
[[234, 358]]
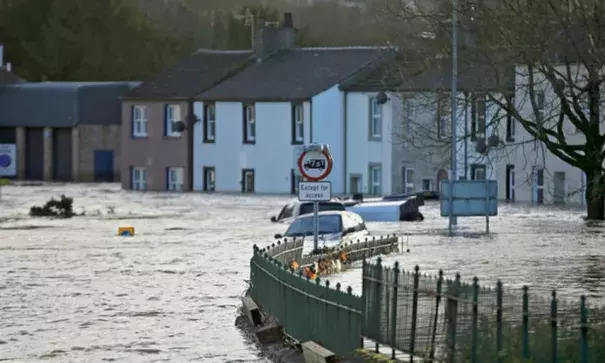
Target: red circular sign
[[315, 165]]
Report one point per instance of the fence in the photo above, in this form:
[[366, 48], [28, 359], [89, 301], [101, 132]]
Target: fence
[[442, 320], [317, 310]]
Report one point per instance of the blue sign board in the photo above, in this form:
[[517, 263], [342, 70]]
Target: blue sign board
[[472, 198]]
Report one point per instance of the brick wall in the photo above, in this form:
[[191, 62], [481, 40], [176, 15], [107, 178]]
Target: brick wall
[[88, 138]]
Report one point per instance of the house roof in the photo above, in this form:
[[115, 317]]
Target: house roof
[[193, 75], [294, 74], [8, 77], [62, 104], [432, 76]]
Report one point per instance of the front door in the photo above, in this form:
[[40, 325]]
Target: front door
[[355, 184], [209, 179], [559, 187], [510, 183], [248, 181], [538, 185]]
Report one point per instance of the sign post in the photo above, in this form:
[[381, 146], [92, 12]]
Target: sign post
[[315, 164]]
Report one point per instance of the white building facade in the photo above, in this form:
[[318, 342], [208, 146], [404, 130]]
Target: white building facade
[[356, 127]]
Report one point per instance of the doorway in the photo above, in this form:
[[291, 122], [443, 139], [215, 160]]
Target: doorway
[[209, 179], [355, 183], [295, 179], [247, 180], [559, 187], [441, 176], [537, 185], [510, 183]]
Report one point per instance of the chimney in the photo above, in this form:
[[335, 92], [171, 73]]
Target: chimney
[[1, 56], [272, 39]]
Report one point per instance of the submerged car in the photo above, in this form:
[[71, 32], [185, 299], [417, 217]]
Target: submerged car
[[371, 210], [334, 228]]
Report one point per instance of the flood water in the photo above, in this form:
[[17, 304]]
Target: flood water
[[73, 291]]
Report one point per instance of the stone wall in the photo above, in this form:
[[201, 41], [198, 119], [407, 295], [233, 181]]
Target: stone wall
[[88, 138]]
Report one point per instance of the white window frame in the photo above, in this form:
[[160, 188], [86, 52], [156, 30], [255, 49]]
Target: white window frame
[[174, 180], [410, 182], [250, 123], [210, 120], [139, 178], [375, 119], [299, 123], [479, 168], [139, 121], [173, 114], [209, 175], [375, 187]]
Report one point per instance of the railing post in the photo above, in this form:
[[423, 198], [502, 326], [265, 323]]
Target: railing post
[[394, 309], [365, 292], [584, 330], [452, 315], [525, 322], [499, 321], [414, 312], [553, 325], [377, 296], [436, 318], [475, 328]]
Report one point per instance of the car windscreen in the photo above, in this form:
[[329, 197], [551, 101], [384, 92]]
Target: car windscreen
[[328, 224], [307, 208]]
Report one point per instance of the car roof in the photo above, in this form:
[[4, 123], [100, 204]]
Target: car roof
[[330, 212], [296, 201]]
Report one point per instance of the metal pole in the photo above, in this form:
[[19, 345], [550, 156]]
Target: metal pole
[[315, 226], [486, 196], [452, 219]]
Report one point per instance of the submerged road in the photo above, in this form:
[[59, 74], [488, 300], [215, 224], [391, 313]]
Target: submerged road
[[72, 291]]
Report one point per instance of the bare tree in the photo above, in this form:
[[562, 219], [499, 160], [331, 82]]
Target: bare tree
[[554, 50]]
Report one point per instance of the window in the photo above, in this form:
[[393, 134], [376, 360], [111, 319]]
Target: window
[[248, 181], [375, 119], [408, 116], [427, 185], [249, 124], [295, 178], [173, 115], [540, 106], [409, 180], [510, 121], [209, 122], [174, 180], [209, 178], [139, 121], [298, 124], [442, 114], [375, 179], [478, 125], [478, 172], [538, 185], [139, 178]]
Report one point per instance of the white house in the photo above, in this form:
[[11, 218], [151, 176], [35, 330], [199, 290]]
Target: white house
[[252, 120], [534, 173]]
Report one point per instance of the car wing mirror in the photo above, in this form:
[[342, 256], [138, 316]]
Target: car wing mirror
[[273, 219], [277, 236]]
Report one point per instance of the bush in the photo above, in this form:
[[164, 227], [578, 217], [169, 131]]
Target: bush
[[62, 208]]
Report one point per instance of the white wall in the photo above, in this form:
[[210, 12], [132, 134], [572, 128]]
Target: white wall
[[328, 128], [361, 150], [271, 157], [526, 153]]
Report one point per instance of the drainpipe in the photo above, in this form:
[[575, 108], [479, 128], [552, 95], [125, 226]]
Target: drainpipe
[[345, 118], [190, 134]]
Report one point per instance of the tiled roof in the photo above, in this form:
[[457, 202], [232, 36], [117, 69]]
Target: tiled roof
[[294, 74], [193, 75]]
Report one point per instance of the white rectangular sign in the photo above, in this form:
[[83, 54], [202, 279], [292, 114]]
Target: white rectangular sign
[[315, 191], [8, 160]]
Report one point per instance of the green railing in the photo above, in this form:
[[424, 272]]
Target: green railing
[[442, 320], [316, 310]]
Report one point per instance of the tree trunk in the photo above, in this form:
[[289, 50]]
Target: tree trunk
[[595, 195]]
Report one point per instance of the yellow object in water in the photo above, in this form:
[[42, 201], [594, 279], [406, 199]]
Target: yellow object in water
[[126, 231]]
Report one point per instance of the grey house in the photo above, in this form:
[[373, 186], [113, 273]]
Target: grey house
[[63, 131]]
